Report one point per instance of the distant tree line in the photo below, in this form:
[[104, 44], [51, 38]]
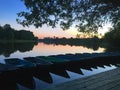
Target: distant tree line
[[92, 43], [108, 42], [8, 33]]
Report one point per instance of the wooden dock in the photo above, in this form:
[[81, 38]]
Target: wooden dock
[[109, 80]]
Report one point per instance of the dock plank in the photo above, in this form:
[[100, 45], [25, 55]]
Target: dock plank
[[109, 80]]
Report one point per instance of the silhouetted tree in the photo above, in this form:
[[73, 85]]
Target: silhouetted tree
[[7, 26], [8, 33], [88, 15], [1, 32], [1, 27], [113, 36]]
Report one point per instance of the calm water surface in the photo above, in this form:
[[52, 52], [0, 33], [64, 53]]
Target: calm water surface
[[41, 49]]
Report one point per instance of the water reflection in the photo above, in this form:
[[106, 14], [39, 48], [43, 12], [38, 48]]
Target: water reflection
[[92, 43], [7, 49], [45, 49], [50, 76], [20, 50], [42, 77]]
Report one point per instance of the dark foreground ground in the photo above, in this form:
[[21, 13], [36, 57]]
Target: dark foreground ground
[[109, 80]]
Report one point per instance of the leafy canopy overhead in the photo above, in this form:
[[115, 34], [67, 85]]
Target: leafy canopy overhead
[[86, 15]]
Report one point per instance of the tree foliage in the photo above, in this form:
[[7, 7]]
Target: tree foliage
[[113, 36], [86, 15], [8, 33]]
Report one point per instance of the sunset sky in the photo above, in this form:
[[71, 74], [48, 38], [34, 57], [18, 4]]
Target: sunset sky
[[8, 15]]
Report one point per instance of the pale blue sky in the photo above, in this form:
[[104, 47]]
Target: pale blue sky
[[8, 15], [8, 12]]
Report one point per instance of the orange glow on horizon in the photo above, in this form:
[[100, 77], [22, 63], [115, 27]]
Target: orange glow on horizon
[[41, 36], [59, 34]]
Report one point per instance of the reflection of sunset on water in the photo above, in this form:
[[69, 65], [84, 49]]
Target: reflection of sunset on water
[[51, 49]]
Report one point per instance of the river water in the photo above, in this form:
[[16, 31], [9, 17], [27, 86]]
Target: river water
[[41, 49], [19, 50]]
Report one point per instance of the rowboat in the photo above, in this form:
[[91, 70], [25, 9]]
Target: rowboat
[[40, 63], [25, 79], [52, 59], [6, 68], [43, 75], [19, 63], [61, 72], [7, 82]]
